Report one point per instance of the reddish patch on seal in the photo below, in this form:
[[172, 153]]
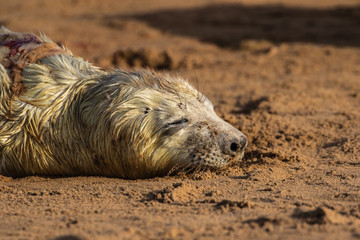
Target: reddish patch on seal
[[14, 45], [23, 50]]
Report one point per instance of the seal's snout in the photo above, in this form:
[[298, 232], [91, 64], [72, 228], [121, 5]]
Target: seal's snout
[[238, 144], [232, 142]]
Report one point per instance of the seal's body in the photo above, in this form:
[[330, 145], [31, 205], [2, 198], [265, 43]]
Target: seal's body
[[59, 115]]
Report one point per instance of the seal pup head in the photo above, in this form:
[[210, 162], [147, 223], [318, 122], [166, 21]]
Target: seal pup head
[[165, 124]]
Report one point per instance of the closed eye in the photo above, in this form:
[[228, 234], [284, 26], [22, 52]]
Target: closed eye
[[179, 122], [175, 126]]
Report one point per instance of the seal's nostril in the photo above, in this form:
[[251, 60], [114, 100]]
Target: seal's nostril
[[243, 142], [234, 147]]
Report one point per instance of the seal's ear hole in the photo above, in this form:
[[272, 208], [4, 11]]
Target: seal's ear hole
[[147, 110]]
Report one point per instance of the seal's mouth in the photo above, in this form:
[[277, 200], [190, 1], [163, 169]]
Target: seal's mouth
[[193, 166], [214, 158], [237, 157]]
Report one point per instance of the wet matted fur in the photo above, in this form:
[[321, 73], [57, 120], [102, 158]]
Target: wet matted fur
[[59, 115]]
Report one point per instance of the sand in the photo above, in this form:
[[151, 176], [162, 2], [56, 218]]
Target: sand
[[286, 73]]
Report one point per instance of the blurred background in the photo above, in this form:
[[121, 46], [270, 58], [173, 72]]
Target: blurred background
[[97, 29]]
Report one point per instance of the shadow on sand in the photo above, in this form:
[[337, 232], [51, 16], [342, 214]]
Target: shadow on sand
[[228, 25]]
